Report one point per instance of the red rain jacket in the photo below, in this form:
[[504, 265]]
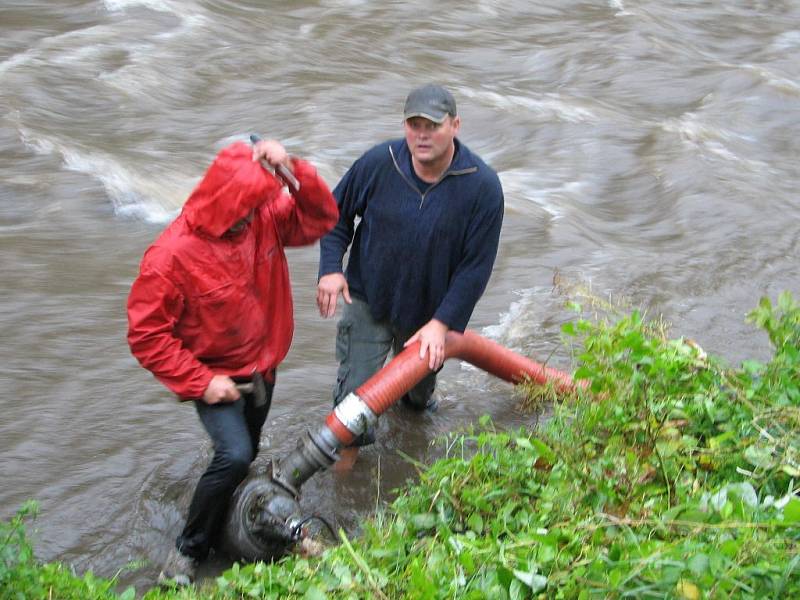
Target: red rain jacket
[[207, 302]]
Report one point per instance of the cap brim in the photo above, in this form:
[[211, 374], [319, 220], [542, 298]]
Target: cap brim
[[430, 117]]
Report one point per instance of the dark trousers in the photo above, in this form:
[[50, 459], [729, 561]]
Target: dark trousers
[[235, 430]]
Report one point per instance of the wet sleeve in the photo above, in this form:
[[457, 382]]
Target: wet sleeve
[[473, 271], [154, 308], [304, 216], [333, 246]]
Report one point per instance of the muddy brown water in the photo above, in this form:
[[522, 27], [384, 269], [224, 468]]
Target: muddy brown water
[[647, 149]]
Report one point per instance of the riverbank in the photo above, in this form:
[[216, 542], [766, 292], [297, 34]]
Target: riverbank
[[674, 477]]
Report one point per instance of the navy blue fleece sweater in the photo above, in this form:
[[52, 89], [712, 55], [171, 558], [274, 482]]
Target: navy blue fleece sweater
[[416, 255]]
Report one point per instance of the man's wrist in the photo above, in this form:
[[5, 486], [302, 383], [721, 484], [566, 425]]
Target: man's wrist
[[441, 324], [325, 273]]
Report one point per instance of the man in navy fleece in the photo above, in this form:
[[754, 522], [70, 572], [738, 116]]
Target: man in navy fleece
[[422, 253]]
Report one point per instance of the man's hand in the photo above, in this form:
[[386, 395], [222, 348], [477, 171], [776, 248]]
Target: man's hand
[[328, 290], [273, 152], [431, 340], [221, 389]]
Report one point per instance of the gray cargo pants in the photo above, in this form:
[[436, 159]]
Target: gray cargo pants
[[362, 345]]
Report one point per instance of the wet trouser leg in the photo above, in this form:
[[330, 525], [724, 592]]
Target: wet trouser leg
[[235, 431], [362, 345]]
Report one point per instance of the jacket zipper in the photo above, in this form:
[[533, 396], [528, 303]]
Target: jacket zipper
[[434, 184]]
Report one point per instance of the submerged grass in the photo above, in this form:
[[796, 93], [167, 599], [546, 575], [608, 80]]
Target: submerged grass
[[672, 476]]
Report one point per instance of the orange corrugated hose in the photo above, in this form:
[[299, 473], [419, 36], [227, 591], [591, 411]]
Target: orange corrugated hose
[[405, 370]]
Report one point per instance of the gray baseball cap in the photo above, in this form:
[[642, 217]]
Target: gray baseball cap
[[430, 101]]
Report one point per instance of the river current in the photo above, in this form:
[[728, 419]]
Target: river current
[[647, 150]]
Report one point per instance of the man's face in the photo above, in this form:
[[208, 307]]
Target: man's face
[[429, 141]]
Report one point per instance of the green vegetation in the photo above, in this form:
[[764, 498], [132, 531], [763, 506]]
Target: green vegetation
[[672, 476]]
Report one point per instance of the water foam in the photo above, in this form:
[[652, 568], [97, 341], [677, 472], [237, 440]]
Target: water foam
[[619, 6], [710, 140], [94, 33], [514, 326], [783, 84], [16, 60], [546, 105], [156, 5], [131, 193], [188, 15], [788, 40], [523, 184]]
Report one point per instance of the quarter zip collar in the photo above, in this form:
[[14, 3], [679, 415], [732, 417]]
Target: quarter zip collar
[[462, 164]]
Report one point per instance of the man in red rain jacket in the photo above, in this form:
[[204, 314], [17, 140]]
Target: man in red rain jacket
[[212, 307]]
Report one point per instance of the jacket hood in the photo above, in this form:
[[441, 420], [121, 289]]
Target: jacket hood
[[232, 186]]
